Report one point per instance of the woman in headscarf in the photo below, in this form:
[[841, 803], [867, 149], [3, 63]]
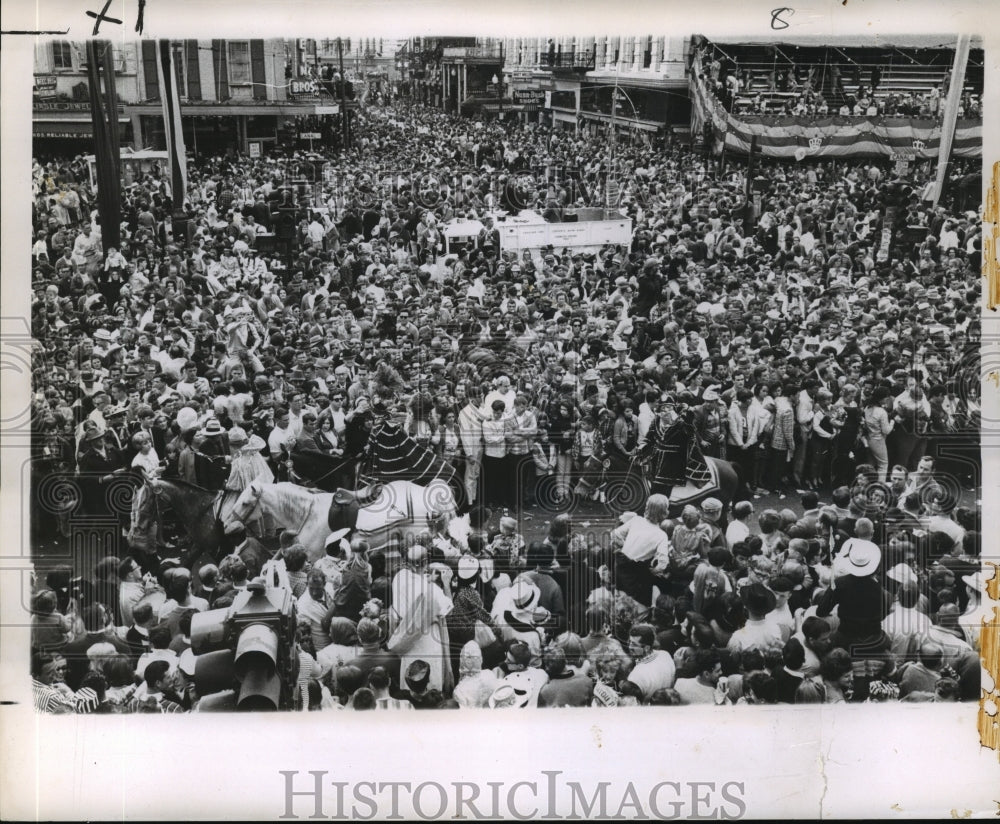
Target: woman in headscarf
[[475, 684]]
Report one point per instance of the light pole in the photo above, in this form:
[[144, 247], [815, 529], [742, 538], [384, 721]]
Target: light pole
[[499, 88]]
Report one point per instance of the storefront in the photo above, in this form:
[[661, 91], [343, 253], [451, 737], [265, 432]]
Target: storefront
[[215, 129], [68, 137]]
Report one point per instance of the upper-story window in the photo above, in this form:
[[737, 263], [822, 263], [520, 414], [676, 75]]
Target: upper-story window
[[62, 54], [239, 63]]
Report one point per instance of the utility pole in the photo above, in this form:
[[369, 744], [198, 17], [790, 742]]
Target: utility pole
[[500, 85], [346, 131]]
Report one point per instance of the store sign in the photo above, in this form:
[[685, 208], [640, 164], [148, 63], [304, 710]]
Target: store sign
[[529, 97], [45, 86], [298, 88], [327, 110]]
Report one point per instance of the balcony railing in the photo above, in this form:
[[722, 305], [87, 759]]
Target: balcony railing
[[583, 61]]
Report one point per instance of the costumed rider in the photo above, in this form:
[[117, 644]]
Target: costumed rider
[[248, 464], [670, 451]]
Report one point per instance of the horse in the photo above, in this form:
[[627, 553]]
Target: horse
[[380, 514], [200, 512], [626, 488]]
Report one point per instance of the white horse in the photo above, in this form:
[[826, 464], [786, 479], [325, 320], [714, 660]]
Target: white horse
[[399, 511]]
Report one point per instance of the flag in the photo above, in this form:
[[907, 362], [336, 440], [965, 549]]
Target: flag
[[170, 99]]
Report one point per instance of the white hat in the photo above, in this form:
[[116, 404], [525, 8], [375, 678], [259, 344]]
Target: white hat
[[902, 574], [468, 567], [508, 696], [862, 559], [974, 581]]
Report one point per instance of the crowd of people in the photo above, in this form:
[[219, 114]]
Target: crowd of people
[[274, 318], [794, 90]]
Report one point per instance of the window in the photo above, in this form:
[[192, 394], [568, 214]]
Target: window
[[180, 65], [62, 55], [239, 63]]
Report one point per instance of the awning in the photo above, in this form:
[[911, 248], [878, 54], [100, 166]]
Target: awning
[[57, 128], [66, 127]]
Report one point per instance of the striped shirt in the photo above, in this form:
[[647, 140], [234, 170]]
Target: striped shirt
[[49, 699]]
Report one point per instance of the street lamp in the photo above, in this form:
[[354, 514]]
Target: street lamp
[[499, 87]]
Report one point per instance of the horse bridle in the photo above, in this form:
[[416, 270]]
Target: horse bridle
[[258, 492]]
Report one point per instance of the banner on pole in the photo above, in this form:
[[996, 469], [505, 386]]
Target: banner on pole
[[170, 100]]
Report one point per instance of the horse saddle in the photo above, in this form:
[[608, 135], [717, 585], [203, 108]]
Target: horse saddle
[[370, 508], [682, 495]]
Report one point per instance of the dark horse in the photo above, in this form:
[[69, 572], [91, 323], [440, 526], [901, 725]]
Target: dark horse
[[198, 511], [627, 489]]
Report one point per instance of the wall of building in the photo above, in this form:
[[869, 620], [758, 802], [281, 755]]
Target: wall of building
[[54, 83]]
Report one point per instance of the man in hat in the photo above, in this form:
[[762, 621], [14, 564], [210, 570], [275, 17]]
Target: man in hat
[[417, 677], [541, 556], [213, 464], [709, 424], [862, 604], [711, 515], [668, 447], [98, 463]]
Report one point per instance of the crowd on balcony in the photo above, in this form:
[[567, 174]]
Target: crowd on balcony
[[793, 90], [826, 368]]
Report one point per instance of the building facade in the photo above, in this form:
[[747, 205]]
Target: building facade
[[61, 101], [236, 95], [632, 84]]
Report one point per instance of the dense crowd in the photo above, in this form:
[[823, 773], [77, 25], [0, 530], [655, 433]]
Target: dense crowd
[[279, 317], [796, 90]]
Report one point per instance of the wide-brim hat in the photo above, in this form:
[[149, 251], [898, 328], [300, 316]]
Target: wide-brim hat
[[861, 559], [212, 427], [974, 581], [902, 574], [525, 595], [94, 434], [254, 444], [509, 696]]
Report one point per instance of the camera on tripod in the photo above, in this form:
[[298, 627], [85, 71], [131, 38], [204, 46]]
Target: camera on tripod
[[245, 654]]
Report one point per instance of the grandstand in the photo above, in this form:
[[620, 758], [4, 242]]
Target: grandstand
[[775, 71]]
